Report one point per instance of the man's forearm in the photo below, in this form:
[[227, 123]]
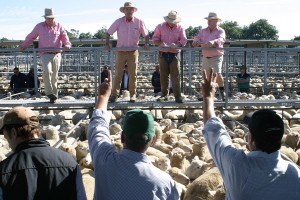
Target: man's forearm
[[208, 108], [102, 102]]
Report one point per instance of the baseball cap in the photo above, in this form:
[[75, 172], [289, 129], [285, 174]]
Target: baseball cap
[[19, 116], [266, 124], [137, 124]]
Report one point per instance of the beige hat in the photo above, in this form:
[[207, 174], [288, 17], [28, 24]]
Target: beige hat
[[19, 116], [172, 17], [213, 15], [128, 5], [49, 13]]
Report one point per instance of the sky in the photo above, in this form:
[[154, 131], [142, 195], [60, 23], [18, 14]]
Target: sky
[[18, 17]]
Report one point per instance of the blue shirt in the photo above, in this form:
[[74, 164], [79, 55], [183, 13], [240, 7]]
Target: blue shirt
[[254, 176], [124, 175]]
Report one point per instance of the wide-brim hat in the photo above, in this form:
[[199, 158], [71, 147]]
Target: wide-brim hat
[[49, 13], [172, 17], [213, 15], [128, 5]]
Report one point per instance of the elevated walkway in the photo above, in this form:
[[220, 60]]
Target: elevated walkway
[[143, 104]]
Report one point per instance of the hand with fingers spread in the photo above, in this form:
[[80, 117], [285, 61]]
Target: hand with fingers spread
[[104, 91], [209, 84]]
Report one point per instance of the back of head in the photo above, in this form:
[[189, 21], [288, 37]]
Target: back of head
[[267, 129], [138, 128], [24, 120]]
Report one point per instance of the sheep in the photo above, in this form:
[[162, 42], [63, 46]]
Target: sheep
[[163, 163], [69, 149], [195, 169], [88, 178], [82, 149], [289, 153], [169, 138], [200, 187], [177, 158], [178, 176], [115, 129], [87, 162]]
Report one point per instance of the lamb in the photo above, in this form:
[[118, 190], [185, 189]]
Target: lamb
[[82, 149], [177, 158], [88, 178], [69, 149], [195, 169], [87, 162], [178, 176], [163, 163], [200, 187]]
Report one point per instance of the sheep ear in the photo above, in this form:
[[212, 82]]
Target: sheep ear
[[212, 193], [57, 127], [196, 158]]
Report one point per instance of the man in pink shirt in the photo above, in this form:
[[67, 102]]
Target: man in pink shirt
[[212, 37], [51, 35], [169, 35], [129, 29]]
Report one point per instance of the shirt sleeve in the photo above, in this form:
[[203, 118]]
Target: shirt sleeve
[[221, 38], [157, 34], [31, 36], [1, 193], [100, 144], [143, 30], [81, 194], [219, 144], [183, 39]]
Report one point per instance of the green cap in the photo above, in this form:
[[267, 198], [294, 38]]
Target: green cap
[[137, 124]]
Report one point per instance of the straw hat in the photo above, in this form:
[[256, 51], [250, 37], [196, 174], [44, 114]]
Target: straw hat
[[49, 13], [172, 17], [128, 5], [213, 15]]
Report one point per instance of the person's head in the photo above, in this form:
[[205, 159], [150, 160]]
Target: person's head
[[16, 71], [20, 124], [243, 69], [49, 16], [138, 130], [212, 20], [172, 18], [128, 9], [266, 131]]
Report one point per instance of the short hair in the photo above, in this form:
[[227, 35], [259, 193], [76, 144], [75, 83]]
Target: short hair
[[267, 129]]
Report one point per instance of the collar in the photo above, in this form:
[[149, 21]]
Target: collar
[[274, 156], [54, 24], [135, 156], [167, 25], [126, 20], [32, 143]]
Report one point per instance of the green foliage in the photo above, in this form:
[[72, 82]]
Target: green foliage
[[297, 38], [232, 30], [260, 30], [87, 35], [192, 31], [73, 34], [101, 33]]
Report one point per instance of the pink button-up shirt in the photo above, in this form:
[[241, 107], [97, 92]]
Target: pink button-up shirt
[[128, 32], [169, 35], [49, 36], [217, 36]]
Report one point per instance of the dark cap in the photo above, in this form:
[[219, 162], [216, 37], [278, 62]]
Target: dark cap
[[266, 124], [19, 116], [137, 124]]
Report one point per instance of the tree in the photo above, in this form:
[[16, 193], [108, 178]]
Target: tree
[[3, 39], [192, 31], [260, 30], [85, 36], [232, 29], [73, 34], [101, 33], [297, 38]]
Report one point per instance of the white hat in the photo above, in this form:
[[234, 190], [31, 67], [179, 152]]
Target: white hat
[[49, 13], [213, 15], [128, 5], [172, 17]]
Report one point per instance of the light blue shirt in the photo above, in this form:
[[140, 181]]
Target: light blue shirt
[[125, 175], [254, 176]]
